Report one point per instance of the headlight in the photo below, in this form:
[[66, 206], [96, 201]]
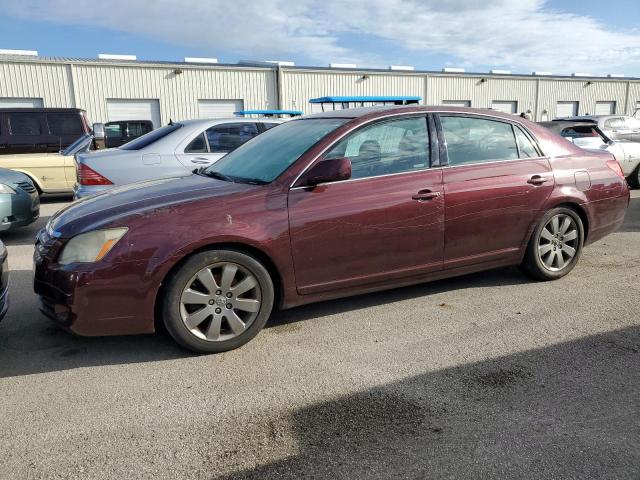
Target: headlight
[[6, 189], [90, 246]]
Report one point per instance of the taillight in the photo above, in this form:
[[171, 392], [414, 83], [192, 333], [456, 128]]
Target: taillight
[[88, 176], [615, 166]]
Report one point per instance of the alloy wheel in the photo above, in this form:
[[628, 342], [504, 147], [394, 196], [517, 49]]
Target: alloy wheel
[[220, 301], [558, 242]]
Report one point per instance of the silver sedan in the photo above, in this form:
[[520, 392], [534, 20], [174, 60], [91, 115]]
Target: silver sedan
[[173, 150]]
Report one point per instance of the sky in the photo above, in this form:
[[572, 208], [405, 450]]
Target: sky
[[561, 37]]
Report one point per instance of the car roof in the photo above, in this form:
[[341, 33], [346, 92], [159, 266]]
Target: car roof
[[41, 110], [384, 110]]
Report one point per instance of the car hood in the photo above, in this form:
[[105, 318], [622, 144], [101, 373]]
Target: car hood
[[10, 176], [113, 207]]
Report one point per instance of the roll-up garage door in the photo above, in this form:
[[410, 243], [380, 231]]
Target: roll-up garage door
[[505, 106], [605, 108], [21, 102], [219, 108], [566, 109], [134, 109]]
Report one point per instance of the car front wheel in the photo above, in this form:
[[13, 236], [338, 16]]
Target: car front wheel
[[218, 300], [555, 246]]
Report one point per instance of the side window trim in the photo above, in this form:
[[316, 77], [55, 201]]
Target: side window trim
[[434, 143]]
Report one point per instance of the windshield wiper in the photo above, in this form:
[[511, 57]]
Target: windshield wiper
[[218, 175]]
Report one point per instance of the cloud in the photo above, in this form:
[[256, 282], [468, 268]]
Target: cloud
[[523, 35]]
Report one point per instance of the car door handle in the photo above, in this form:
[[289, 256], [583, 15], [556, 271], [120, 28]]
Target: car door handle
[[425, 195], [200, 161], [537, 180]]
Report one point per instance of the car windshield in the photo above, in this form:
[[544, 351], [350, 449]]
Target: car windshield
[[265, 157], [632, 122], [151, 137], [80, 145]]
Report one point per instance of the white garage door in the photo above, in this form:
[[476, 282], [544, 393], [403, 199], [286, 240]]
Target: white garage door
[[130, 109], [505, 107], [605, 108], [566, 109], [457, 103], [219, 108], [21, 103]]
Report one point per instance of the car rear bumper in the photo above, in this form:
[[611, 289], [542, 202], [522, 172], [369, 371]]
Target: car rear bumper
[[82, 191], [93, 299], [18, 210]]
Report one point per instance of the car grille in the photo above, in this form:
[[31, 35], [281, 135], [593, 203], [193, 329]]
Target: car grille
[[26, 186]]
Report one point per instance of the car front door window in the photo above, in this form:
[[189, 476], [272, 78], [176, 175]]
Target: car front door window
[[386, 148]]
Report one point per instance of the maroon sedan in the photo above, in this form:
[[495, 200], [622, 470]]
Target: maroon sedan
[[326, 206]]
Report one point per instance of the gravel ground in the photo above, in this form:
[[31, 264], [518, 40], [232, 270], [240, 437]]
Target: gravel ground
[[485, 376]]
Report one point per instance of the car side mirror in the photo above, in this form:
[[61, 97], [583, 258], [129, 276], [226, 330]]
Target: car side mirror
[[326, 171], [99, 136]]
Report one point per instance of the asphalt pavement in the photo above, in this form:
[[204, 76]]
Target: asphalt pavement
[[489, 375]]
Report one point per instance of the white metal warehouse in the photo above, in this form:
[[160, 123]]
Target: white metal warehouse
[[126, 89]]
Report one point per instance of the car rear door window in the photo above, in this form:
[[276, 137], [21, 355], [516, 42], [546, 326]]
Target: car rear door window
[[26, 124], [386, 148], [136, 129], [525, 146], [113, 130], [477, 140], [197, 145], [64, 124], [226, 137]]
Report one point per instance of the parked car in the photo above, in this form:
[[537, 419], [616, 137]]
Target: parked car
[[616, 127], [120, 132], [588, 135], [175, 149], [31, 139], [19, 200], [4, 281], [325, 206]]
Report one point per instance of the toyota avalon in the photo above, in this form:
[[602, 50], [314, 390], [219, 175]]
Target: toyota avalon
[[325, 206]]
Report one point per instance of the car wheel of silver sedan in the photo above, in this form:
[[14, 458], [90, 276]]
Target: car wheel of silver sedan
[[218, 300], [556, 245]]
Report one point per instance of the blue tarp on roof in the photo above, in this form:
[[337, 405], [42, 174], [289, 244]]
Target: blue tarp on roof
[[345, 99]]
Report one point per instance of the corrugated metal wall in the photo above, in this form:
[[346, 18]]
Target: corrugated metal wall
[[586, 92], [298, 86], [178, 93], [482, 91], [48, 81], [88, 85]]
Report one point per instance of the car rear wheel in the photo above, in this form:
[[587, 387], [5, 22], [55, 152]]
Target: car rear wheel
[[217, 301], [555, 246]]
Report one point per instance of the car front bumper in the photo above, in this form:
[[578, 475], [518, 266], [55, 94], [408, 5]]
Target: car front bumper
[[4, 287], [18, 210], [82, 191], [93, 299]]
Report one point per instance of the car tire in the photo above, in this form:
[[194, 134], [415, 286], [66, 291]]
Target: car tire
[[634, 178], [554, 247], [217, 301]]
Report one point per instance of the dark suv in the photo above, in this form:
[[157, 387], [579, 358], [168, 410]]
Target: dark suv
[[40, 130]]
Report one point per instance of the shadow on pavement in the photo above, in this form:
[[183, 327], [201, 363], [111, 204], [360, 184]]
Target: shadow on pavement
[[632, 219], [566, 411]]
